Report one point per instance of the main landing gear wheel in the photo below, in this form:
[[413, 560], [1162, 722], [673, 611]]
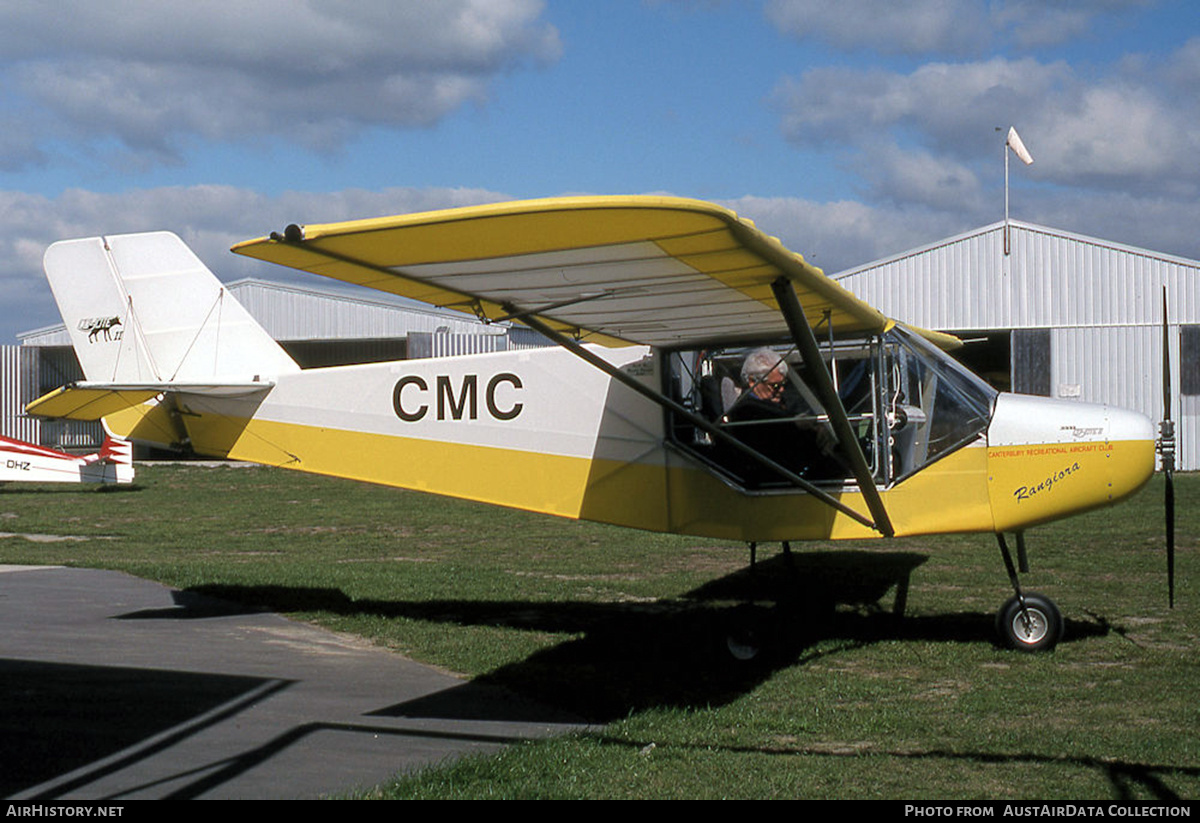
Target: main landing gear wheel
[[748, 638], [1038, 628]]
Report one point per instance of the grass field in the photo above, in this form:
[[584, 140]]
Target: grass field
[[627, 629]]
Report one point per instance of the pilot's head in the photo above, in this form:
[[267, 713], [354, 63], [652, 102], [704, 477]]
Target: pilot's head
[[764, 372]]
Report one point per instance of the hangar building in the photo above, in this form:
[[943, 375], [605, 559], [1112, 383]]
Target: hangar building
[[1061, 315]]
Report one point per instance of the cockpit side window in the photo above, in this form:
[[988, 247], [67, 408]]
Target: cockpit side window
[[907, 403], [764, 397]]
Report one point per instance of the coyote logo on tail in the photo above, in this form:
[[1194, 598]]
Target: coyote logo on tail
[[95, 326]]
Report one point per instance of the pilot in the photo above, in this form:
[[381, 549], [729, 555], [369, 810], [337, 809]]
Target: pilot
[[764, 376], [760, 415], [764, 373], [776, 421]]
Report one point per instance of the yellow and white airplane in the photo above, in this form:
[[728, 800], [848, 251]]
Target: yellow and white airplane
[[643, 415]]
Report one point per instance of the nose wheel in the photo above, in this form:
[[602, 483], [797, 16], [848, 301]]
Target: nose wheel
[[1033, 626], [1027, 621]]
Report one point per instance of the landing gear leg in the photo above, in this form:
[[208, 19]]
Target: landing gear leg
[[753, 630], [1027, 621], [787, 557]]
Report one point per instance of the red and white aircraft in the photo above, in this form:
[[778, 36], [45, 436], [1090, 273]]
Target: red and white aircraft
[[27, 463]]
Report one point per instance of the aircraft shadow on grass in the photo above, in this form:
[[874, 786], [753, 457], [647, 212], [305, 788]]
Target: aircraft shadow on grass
[[628, 657], [622, 657], [631, 656]]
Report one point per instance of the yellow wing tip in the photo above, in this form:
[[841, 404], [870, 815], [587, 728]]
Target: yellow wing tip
[[941, 339]]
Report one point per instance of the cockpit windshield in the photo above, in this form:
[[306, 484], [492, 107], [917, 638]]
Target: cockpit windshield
[[907, 404], [934, 404]]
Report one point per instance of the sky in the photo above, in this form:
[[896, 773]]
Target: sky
[[850, 130]]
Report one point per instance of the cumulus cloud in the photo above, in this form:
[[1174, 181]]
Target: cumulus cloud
[[1125, 132], [946, 27], [953, 26], [942, 102], [842, 234], [316, 72], [1035, 23], [210, 219]]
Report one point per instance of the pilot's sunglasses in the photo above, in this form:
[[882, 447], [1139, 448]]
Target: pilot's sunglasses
[[776, 386]]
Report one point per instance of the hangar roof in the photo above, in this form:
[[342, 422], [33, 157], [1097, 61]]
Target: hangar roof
[[1051, 278]]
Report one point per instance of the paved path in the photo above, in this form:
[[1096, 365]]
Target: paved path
[[118, 688]]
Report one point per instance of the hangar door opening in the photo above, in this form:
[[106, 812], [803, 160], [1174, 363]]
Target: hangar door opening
[[1016, 360]]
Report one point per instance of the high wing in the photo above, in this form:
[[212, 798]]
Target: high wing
[[634, 269]]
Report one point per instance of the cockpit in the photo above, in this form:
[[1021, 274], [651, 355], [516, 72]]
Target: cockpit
[[906, 401]]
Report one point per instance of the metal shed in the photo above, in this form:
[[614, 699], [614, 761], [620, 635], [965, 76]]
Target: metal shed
[[1078, 317]]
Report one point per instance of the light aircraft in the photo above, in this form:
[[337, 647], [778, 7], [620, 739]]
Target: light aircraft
[[633, 418], [28, 463]]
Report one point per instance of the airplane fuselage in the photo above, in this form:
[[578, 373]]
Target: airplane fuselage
[[541, 430]]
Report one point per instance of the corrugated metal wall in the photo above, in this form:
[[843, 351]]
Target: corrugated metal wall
[[18, 373], [1051, 279], [27, 373], [1102, 302], [1122, 366], [442, 343], [293, 313], [1187, 434]]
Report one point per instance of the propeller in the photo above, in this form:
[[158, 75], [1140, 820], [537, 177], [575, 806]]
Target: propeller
[[1166, 449]]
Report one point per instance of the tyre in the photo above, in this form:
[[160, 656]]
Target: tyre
[[747, 639], [1038, 628]]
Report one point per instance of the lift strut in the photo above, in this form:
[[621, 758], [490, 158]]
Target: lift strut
[[700, 422]]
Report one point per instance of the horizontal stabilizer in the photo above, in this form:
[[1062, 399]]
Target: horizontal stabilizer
[[92, 401]]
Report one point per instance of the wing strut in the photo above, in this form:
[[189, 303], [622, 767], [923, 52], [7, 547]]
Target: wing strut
[[538, 325], [806, 342]]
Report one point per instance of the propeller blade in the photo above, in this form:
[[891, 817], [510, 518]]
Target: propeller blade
[[1169, 505], [1166, 361], [1166, 448]]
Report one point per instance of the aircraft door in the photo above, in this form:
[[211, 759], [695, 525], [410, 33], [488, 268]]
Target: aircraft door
[[774, 409]]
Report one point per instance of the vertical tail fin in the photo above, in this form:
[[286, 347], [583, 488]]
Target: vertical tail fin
[[118, 452], [142, 308], [117, 457]]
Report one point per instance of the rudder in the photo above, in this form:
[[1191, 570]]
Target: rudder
[[142, 308]]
